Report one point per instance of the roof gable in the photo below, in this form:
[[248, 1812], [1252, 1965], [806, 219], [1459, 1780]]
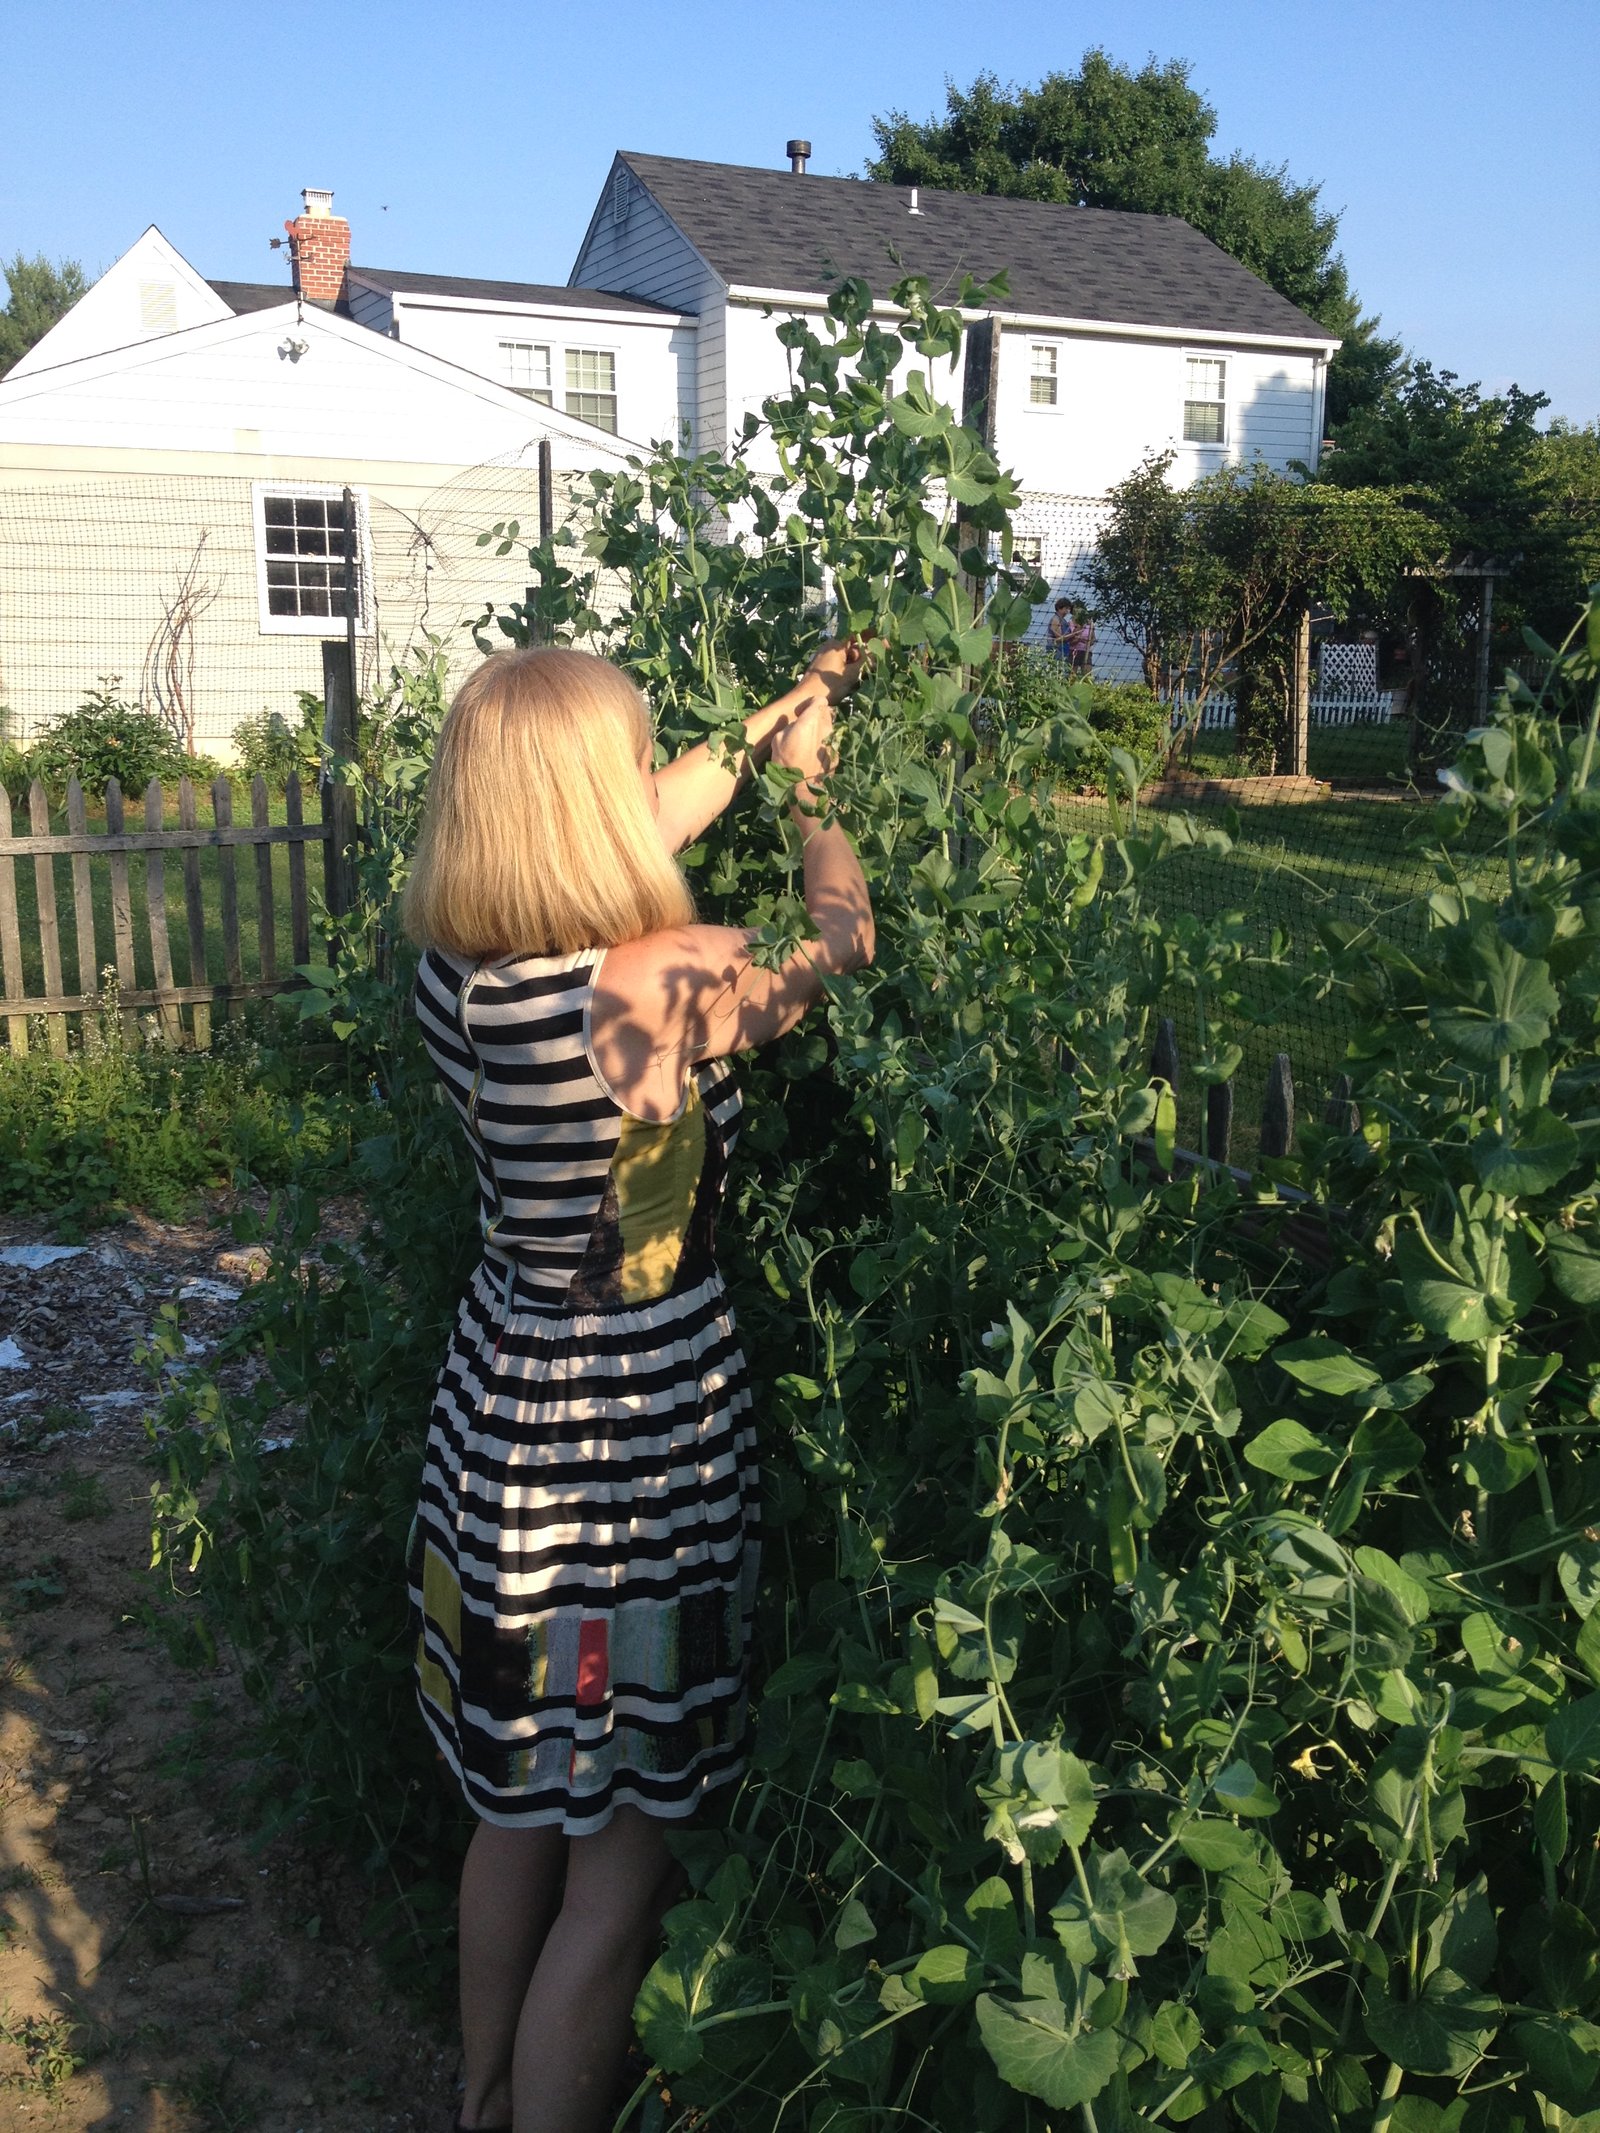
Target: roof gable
[[773, 229], [300, 381], [149, 292]]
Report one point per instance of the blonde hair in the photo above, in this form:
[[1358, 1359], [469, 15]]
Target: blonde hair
[[537, 837]]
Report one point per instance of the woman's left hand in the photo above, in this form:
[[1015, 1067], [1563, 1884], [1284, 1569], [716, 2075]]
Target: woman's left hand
[[838, 665]]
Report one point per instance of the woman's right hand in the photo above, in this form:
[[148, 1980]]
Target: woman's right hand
[[838, 665], [803, 742]]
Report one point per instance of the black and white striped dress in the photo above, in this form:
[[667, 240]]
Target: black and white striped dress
[[584, 1561]]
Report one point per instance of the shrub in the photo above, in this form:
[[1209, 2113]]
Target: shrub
[[106, 738], [271, 746], [117, 1124], [1035, 685]]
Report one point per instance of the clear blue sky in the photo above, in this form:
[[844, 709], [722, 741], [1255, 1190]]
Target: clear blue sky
[[1457, 137]]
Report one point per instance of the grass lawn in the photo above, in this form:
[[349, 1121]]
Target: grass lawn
[[212, 863], [1358, 755], [1292, 867]]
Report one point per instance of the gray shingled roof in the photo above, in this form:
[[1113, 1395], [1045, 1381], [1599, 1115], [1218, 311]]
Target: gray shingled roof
[[771, 229], [504, 292], [253, 295]]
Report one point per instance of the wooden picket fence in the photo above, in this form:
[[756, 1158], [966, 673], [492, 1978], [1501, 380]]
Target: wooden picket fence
[[118, 849]]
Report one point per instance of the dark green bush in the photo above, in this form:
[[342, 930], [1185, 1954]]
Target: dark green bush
[[116, 1125], [276, 748], [1034, 685], [106, 738]]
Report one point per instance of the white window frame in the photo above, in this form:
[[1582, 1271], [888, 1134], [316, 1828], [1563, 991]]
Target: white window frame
[[1204, 444], [1033, 558], [541, 395], [1052, 349], [593, 348], [312, 625]]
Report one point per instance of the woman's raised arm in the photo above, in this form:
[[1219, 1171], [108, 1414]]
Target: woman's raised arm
[[692, 790]]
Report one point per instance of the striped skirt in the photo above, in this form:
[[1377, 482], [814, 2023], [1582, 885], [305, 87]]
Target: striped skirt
[[583, 1565]]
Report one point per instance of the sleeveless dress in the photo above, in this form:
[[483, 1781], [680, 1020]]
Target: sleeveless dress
[[582, 1571]]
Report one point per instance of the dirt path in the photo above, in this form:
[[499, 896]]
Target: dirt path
[[158, 1973]]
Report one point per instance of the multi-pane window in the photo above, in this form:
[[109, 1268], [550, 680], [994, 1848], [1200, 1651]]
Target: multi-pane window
[[301, 539], [1042, 375], [527, 369], [1205, 404], [1027, 549], [592, 387]]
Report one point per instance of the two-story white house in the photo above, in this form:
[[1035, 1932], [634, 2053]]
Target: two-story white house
[[174, 453]]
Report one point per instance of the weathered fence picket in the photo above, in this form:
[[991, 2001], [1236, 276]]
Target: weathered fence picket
[[111, 850]]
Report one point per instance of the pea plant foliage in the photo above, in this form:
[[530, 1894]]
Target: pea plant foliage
[[1178, 1685]]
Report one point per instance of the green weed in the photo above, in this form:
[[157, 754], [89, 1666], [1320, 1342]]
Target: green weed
[[82, 1496], [49, 2054]]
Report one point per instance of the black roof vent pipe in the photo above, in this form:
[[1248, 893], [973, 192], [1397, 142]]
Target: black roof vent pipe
[[797, 152]]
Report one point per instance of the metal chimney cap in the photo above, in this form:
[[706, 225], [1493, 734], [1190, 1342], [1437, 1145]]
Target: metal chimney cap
[[797, 152], [318, 202]]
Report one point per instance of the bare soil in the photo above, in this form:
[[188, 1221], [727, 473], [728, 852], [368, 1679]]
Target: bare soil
[[160, 1971]]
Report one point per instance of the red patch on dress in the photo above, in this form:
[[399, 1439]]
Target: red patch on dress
[[594, 1671]]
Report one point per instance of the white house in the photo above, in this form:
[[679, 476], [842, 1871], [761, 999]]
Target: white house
[[173, 454]]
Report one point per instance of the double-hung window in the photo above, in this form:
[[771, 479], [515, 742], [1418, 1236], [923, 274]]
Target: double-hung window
[[1205, 400], [527, 370], [1043, 382], [592, 387], [300, 558]]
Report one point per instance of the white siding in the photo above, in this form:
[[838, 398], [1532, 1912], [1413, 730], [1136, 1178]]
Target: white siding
[[1117, 399], [654, 359]]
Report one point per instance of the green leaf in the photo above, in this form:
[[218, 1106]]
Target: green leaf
[[1412, 1596], [855, 1927], [1326, 1367], [799, 1675], [1289, 1450], [1588, 1647], [1386, 1447], [1175, 2034], [1573, 1736], [1122, 1918], [1541, 1155], [1444, 2031], [1563, 2055], [1520, 1005], [1238, 1791], [945, 1976], [1216, 1845], [1574, 1264], [1455, 1301], [1550, 1819], [1034, 2052]]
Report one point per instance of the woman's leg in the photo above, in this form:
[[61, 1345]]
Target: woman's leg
[[577, 2018], [510, 1892]]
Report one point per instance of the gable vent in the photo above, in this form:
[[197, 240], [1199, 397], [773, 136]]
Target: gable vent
[[158, 306], [621, 196]]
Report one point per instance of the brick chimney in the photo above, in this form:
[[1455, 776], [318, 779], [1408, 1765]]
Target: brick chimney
[[319, 248]]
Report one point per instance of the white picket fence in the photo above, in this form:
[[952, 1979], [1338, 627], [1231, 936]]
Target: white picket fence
[[1329, 707]]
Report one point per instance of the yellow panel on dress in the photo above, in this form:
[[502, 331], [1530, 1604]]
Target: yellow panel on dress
[[656, 1171], [441, 1597]]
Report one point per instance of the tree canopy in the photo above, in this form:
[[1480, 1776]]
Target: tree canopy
[[1108, 137], [41, 291]]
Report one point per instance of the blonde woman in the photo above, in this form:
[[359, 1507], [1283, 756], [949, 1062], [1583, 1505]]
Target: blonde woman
[[584, 1564]]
